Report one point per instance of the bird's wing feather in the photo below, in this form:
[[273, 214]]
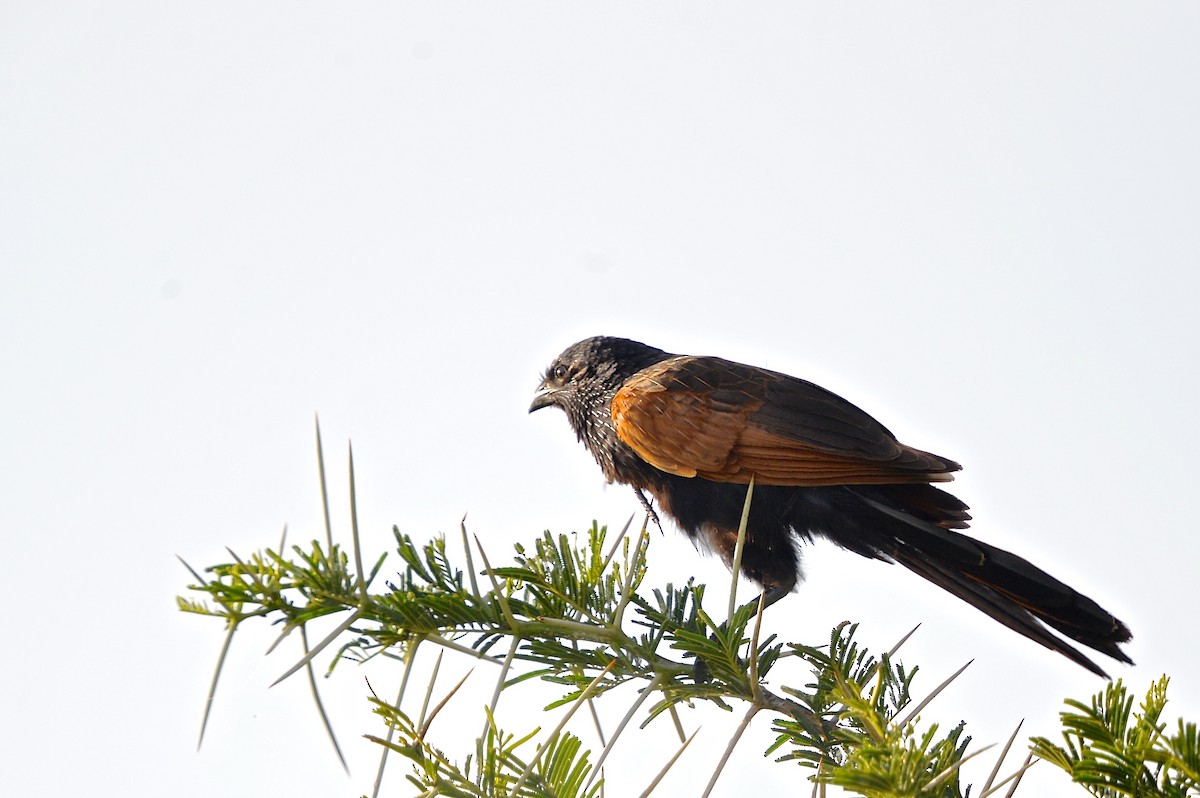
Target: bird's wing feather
[[723, 421]]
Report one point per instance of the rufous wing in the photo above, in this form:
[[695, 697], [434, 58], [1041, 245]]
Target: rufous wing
[[723, 421]]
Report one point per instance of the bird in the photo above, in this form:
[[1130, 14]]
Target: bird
[[689, 433]]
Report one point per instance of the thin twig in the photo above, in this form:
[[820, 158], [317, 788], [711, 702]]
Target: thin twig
[[737, 549], [1016, 777], [462, 525], [212, 688], [508, 660], [667, 766], [755, 687], [203, 582], [987, 785], [645, 693], [362, 581], [410, 655], [324, 489], [913, 713], [437, 666], [496, 591], [733, 741], [429, 721], [636, 556], [903, 640], [329, 638], [312, 683], [596, 722], [286, 632], [612, 550], [258, 583], [678, 723], [942, 777]]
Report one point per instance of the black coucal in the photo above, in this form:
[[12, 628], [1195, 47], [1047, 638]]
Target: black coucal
[[690, 432]]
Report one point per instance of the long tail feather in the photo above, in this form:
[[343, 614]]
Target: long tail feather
[[1004, 586]]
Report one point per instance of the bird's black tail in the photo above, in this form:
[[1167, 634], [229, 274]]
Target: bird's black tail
[[1006, 587]]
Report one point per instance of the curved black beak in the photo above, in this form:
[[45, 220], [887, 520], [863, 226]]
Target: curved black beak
[[543, 398]]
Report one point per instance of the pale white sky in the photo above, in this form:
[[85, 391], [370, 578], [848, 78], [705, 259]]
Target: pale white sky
[[977, 222]]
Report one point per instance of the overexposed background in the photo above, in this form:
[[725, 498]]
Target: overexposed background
[[977, 222]]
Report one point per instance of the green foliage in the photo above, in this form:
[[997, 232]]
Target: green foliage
[[1114, 751], [573, 611], [561, 769], [869, 750]]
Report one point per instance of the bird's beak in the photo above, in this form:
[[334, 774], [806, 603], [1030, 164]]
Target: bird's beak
[[543, 398]]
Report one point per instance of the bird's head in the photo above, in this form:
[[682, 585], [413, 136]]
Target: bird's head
[[583, 379]]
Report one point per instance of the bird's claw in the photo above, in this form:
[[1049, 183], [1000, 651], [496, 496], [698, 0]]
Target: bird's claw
[[648, 508]]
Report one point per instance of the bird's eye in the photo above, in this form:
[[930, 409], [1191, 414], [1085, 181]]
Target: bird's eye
[[560, 372]]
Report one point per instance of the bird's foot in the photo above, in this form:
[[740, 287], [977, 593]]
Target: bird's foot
[[649, 508]]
